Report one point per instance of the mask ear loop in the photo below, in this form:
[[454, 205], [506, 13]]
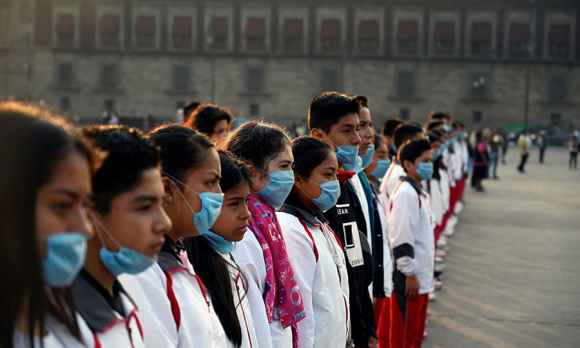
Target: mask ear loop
[[99, 225], [173, 180], [314, 184]]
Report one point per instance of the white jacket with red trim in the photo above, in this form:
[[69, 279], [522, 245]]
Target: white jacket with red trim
[[240, 291], [411, 231], [57, 336], [174, 306], [391, 180], [313, 249]]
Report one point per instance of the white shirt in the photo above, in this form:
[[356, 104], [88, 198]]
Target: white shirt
[[445, 189], [239, 289], [436, 201], [449, 164], [411, 231], [250, 257], [170, 282], [457, 161], [314, 251], [391, 180], [57, 336]]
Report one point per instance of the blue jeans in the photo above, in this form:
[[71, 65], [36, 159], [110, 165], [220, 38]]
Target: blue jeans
[[494, 157]]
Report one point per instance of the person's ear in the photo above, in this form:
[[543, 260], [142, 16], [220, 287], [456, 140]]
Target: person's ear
[[316, 133], [168, 197], [255, 174], [298, 181], [408, 165]]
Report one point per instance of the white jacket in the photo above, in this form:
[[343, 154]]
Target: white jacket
[[437, 201], [240, 289], [320, 267], [458, 161], [387, 264], [391, 180], [250, 257], [411, 231], [445, 189], [57, 336], [175, 308]]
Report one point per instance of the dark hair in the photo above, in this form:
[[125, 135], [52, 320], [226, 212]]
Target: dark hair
[[211, 267], [438, 163], [363, 102], [378, 141], [390, 126], [182, 149], [328, 108], [206, 116], [32, 141], [479, 135], [412, 150], [434, 124], [405, 132], [308, 153], [439, 115], [256, 143], [128, 154], [188, 109]]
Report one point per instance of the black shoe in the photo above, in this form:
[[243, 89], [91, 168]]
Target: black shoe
[[496, 178]]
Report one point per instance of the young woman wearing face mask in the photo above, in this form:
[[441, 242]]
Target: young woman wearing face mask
[[130, 223], [315, 251], [45, 189], [174, 305], [211, 256], [273, 292]]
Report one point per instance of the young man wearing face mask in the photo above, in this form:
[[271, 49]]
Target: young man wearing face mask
[[333, 117], [411, 231], [129, 222]]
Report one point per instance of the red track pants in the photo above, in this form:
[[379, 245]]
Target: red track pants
[[407, 320]]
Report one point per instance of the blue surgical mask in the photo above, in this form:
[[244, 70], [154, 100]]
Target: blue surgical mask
[[65, 256], [425, 170], [126, 260], [367, 158], [355, 166], [328, 196], [218, 243], [211, 206], [278, 188], [436, 154], [447, 128], [381, 169], [344, 154], [452, 142]]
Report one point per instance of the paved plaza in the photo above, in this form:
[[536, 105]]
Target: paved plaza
[[513, 272]]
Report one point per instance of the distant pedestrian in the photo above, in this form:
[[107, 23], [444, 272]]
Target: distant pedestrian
[[504, 146], [524, 150], [574, 144], [480, 161], [495, 143], [542, 144]]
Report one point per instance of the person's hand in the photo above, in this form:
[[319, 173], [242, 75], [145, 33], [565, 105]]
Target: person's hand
[[372, 342], [412, 287]]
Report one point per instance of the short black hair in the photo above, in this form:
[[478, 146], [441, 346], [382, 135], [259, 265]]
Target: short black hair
[[390, 126], [234, 172], [405, 132], [128, 154], [206, 116], [328, 108], [439, 115], [413, 149], [433, 124], [309, 153], [188, 109], [378, 141], [363, 102]]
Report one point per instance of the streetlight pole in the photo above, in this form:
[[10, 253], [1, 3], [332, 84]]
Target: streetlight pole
[[528, 63]]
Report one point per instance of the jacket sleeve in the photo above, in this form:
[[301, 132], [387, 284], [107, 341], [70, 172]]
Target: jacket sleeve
[[402, 221]]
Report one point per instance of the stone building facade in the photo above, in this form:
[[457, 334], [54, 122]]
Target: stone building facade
[[269, 58]]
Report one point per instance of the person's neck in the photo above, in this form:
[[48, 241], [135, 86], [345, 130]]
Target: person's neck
[[415, 178], [98, 270], [176, 235]]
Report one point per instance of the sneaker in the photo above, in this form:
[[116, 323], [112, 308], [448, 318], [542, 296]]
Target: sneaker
[[432, 297], [438, 285], [496, 178], [438, 259], [425, 335], [440, 253], [439, 267]]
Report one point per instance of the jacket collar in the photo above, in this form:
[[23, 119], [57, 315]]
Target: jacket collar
[[168, 258], [295, 207], [413, 183]]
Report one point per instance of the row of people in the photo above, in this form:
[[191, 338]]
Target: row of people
[[268, 242]]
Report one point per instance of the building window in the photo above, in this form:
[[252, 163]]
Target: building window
[[64, 104], [444, 39], [407, 38], [109, 31], [405, 114], [330, 36], [329, 80], [65, 30], [479, 87], [181, 32], [219, 33], [406, 84], [477, 117], [109, 76], [181, 78], [557, 89], [255, 80], [145, 31], [519, 39], [555, 120], [254, 110], [255, 34], [65, 75], [481, 39], [368, 36], [293, 37], [559, 41]]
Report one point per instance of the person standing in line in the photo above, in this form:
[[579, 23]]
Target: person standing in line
[[524, 147], [495, 143], [574, 144], [480, 162], [542, 144]]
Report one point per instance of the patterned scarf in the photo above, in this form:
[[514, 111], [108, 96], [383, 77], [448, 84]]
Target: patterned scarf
[[282, 296]]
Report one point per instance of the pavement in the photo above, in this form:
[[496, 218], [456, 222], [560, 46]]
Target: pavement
[[513, 272]]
